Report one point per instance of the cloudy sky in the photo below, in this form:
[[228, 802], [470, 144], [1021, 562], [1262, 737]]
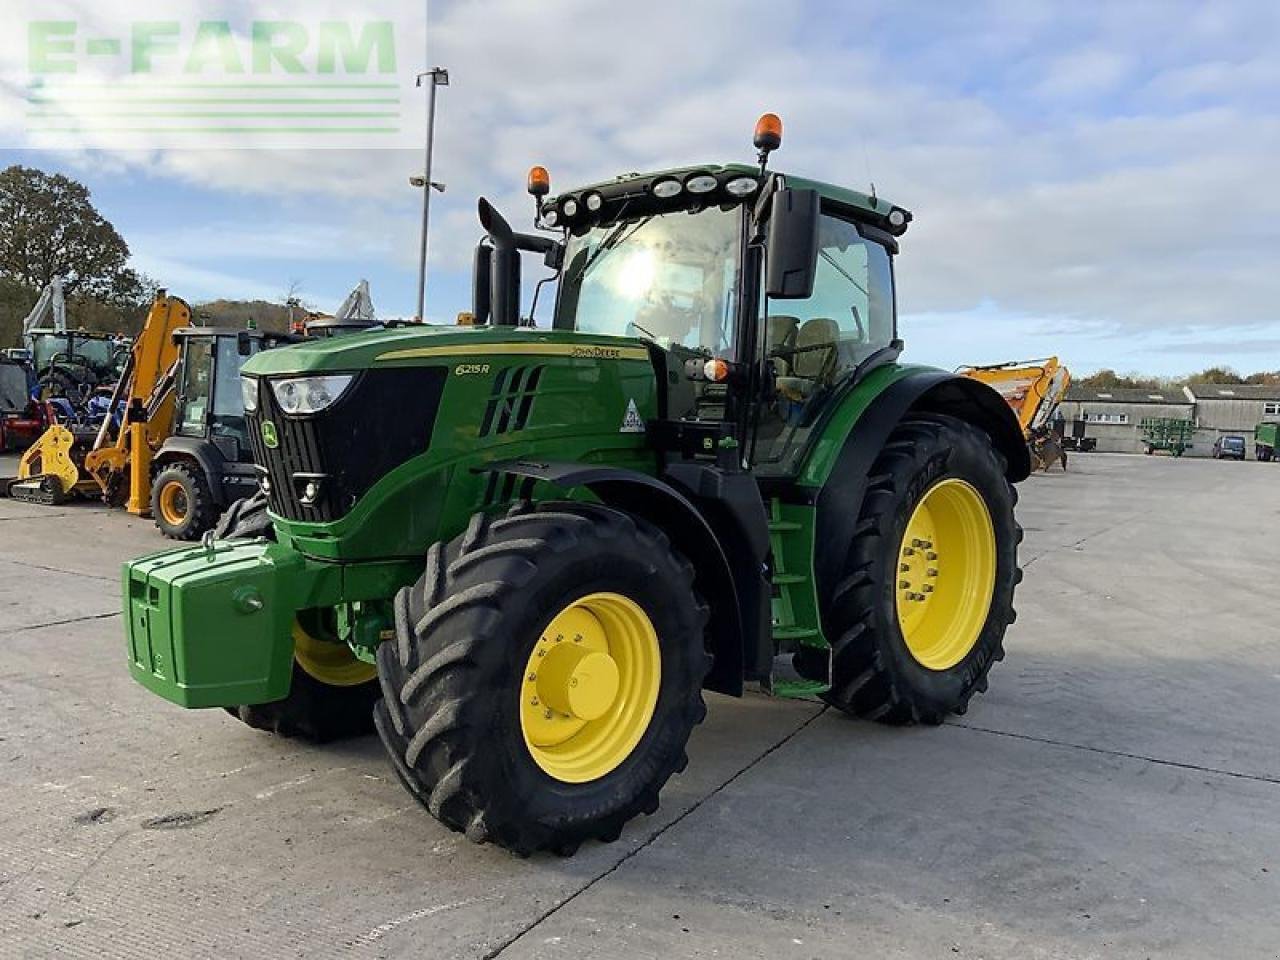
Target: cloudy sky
[[1097, 180]]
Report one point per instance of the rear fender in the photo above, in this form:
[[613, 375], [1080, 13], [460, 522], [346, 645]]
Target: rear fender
[[664, 506]]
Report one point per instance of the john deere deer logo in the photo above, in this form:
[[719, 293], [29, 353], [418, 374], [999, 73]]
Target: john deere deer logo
[[269, 435]]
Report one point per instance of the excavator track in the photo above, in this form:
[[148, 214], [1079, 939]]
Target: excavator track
[[44, 489]]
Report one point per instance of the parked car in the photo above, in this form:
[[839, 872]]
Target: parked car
[[1229, 448]]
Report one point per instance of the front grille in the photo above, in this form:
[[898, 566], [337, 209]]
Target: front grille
[[385, 418]]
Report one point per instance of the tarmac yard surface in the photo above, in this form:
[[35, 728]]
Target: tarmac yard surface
[[1115, 794]]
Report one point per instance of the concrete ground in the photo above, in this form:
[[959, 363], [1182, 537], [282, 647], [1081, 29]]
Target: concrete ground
[[1116, 794]]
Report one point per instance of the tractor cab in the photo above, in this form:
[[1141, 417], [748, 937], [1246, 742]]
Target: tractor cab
[[207, 399], [766, 297], [689, 277], [71, 363], [207, 462]]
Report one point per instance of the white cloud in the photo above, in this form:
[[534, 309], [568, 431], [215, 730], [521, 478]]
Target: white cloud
[[1085, 72]]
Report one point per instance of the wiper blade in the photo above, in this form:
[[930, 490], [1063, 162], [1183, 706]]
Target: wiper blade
[[611, 240]]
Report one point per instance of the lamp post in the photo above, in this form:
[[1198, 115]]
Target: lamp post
[[435, 77]]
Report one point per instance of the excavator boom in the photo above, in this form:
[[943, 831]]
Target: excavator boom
[[1032, 388]]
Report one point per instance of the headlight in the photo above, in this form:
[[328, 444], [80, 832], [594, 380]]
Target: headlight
[[301, 395], [571, 207], [594, 202], [249, 394], [701, 183], [741, 186], [666, 189], [550, 216]]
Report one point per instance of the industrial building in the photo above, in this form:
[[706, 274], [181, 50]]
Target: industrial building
[[1113, 416]]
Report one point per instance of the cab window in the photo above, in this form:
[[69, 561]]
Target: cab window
[[193, 403]]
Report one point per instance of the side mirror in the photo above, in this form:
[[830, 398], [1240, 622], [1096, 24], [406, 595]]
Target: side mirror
[[793, 245], [244, 345]]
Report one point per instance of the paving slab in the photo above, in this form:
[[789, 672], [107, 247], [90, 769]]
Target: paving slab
[[1115, 794]]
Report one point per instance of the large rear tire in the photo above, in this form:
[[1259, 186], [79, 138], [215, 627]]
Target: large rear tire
[[545, 677], [920, 616]]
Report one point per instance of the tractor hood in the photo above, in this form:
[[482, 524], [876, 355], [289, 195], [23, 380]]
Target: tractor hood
[[419, 345]]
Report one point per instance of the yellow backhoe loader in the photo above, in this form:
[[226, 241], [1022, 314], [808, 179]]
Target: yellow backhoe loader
[[114, 460], [1033, 389]]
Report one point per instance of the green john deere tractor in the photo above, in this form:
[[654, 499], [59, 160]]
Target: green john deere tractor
[[523, 553]]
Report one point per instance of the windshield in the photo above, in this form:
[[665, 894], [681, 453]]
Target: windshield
[[93, 352], [671, 278]]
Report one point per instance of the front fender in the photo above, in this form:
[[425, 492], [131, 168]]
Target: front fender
[[668, 509]]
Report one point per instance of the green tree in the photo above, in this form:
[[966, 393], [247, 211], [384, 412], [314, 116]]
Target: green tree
[[1216, 375], [50, 228], [1106, 379]]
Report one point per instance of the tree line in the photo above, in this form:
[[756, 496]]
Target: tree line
[[1107, 379]]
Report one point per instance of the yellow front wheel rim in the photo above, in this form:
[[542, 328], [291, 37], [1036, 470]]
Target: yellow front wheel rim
[[331, 663], [590, 687], [173, 503], [946, 574]]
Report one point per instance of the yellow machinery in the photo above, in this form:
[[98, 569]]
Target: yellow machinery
[[1032, 388], [117, 463]]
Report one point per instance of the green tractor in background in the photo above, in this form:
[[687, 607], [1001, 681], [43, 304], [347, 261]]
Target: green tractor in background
[[526, 552]]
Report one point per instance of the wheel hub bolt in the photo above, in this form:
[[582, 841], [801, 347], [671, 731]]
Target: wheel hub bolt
[[904, 584], [904, 568], [931, 556], [932, 571]]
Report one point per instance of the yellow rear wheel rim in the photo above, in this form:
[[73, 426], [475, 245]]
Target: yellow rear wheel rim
[[946, 574], [331, 663], [173, 503], [590, 687]]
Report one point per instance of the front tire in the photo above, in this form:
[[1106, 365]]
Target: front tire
[[331, 693], [920, 617], [181, 501], [484, 717]]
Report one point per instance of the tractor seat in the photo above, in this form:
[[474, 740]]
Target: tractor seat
[[812, 358], [780, 337]]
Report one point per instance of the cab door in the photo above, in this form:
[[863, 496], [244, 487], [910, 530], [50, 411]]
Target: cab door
[[815, 346]]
